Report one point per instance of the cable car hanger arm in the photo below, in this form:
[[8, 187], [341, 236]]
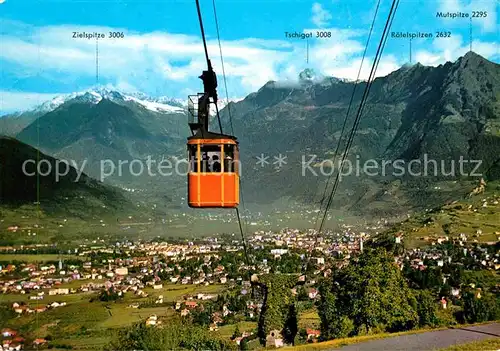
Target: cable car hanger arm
[[208, 77]]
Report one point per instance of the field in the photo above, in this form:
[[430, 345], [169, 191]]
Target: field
[[227, 331], [44, 227], [11, 298], [478, 217], [172, 292], [172, 223], [83, 324], [309, 319], [90, 325], [36, 258]]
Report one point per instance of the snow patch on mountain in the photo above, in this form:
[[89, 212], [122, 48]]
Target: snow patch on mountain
[[221, 103], [51, 104], [93, 95], [96, 94], [154, 106], [159, 99]]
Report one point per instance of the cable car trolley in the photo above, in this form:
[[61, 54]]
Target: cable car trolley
[[213, 174]]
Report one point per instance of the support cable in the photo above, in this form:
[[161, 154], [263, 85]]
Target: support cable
[[242, 232], [378, 55], [323, 197]]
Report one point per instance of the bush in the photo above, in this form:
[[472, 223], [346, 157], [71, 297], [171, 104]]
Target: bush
[[483, 309], [426, 309], [345, 327], [60, 347], [302, 336], [244, 344], [109, 295], [447, 317], [6, 312], [367, 330], [177, 335]]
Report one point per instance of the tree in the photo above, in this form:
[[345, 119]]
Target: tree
[[244, 344], [445, 290], [328, 313], [201, 316], [205, 269], [483, 309], [426, 309], [236, 333], [237, 303], [426, 279], [344, 327], [372, 293], [277, 298], [456, 275], [302, 293], [333, 324], [291, 325], [109, 295], [303, 335], [6, 312]]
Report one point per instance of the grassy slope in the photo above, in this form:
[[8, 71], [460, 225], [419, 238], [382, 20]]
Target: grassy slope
[[102, 320], [358, 339], [84, 324], [483, 345], [36, 258], [52, 228], [463, 216], [41, 204]]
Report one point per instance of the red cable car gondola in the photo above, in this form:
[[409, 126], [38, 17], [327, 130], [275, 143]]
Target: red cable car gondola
[[213, 176]]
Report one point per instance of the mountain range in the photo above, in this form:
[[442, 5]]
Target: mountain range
[[70, 192], [106, 125], [444, 112]]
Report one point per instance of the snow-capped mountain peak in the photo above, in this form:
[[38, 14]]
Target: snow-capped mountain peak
[[154, 106], [95, 94], [52, 104]]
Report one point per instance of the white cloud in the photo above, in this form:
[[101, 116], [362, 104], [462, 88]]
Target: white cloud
[[428, 59], [14, 101], [488, 24], [350, 70], [144, 58], [452, 49], [486, 49], [320, 16], [448, 47], [157, 61]]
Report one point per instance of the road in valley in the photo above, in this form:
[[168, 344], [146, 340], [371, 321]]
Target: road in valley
[[428, 341]]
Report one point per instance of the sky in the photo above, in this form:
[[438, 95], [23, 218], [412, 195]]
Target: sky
[[161, 52]]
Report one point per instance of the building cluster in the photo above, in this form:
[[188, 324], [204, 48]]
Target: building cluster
[[474, 256], [140, 268], [11, 340]]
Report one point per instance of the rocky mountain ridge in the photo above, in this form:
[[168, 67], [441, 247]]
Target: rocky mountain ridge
[[445, 112]]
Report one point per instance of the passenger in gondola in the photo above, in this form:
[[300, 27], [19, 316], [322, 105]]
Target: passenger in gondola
[[204, 163], [228, 164], [194, 164], [215, 164]]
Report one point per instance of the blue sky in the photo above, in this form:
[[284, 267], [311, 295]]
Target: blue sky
[[161, 53]]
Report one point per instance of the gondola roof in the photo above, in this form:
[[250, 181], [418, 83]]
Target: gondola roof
[[210, 135]]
